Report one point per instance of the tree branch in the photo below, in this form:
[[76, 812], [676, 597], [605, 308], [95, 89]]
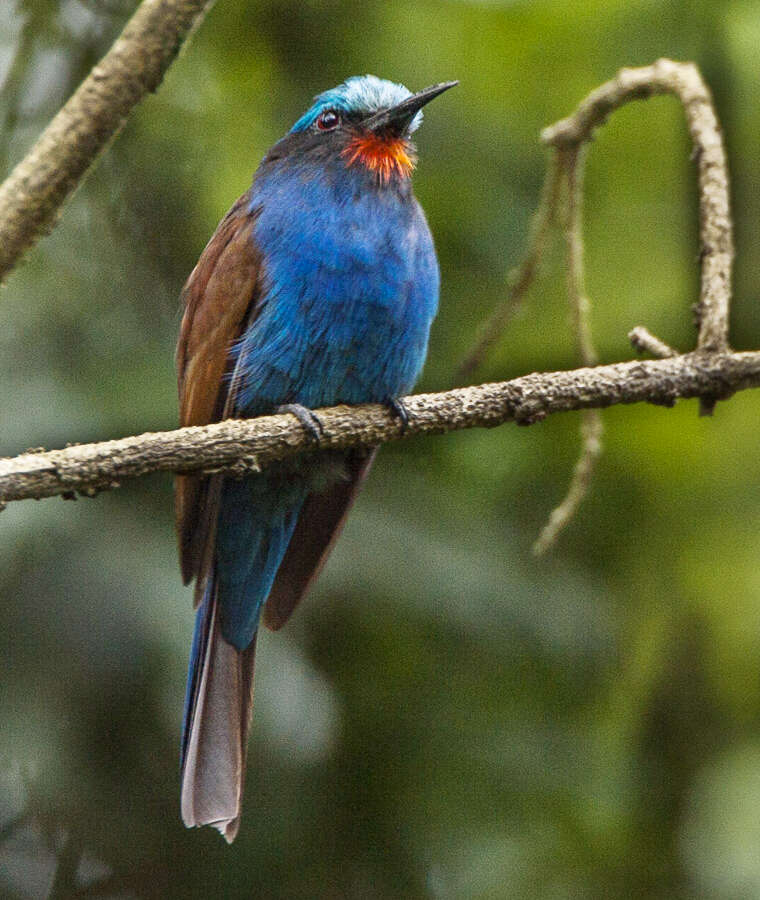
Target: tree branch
[[715, 230], [33, 193], [645, 342], [238, 446], [572, 162], [568, 139]]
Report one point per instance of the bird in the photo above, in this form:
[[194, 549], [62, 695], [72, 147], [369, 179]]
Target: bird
[[318, 287]]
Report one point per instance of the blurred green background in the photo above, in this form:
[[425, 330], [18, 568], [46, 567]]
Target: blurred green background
[[446, 717]]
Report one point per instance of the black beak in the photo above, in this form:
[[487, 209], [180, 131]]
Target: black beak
[[398, 118]]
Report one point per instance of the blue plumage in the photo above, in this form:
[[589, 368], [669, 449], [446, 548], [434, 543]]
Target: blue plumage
[[256, 520], [362, 93], [325, 278], [351, 290]]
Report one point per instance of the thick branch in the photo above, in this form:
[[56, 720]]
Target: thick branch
[[240, 446], [32, 194]]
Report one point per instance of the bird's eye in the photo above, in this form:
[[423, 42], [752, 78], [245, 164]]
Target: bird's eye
[[328, 120]]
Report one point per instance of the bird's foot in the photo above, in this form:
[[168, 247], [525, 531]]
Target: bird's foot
[[309, 419], [399, 410]]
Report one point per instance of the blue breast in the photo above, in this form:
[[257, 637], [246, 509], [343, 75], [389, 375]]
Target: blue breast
[[350, 289]]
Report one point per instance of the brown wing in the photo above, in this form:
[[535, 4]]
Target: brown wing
[[321, 521], [219, 298]]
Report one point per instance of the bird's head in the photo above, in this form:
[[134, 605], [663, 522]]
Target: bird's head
[[366, 121]]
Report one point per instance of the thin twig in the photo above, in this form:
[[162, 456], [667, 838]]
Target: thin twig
[[591, 436], [644, 341], [571, 161], [36, 189], [520, 278], [572, 164], [238, 446], [568, 137]]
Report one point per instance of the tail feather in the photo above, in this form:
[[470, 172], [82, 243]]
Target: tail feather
[[217, 721], [244, 549], [320, 522]]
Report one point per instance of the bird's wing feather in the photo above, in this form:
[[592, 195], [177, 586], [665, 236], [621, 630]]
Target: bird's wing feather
[[319, 524], [220, 298]]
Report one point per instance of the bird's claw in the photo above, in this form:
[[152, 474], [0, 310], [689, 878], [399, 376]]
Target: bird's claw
[[400, 410], [308, 419]]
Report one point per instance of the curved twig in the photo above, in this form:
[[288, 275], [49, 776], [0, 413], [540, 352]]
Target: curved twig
[[591, 438], [568, 138], [716, 229]]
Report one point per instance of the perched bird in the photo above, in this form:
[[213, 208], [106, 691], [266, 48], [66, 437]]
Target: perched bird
[[318, 287]]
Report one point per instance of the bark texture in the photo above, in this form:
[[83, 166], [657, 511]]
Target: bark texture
[[238, 446], [33, 193]]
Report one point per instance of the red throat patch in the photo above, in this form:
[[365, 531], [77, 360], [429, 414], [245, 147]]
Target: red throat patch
[[385, 156]]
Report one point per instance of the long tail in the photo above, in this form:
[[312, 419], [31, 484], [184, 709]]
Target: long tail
[[218, 709], [243, 553]]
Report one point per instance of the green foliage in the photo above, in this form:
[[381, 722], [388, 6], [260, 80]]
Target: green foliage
[[446, 717]]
